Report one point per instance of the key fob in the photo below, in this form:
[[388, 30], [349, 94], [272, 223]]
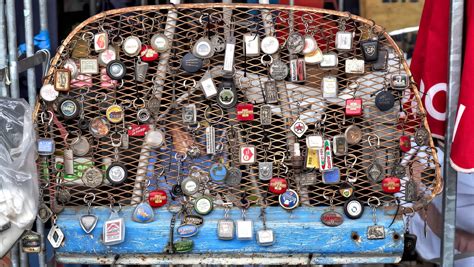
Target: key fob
[[409, 247], [227, 94]]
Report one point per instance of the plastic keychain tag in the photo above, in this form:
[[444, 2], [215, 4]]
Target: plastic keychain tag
[[114, 230], [244, 229], [399, 81], [391, 185], [332, 176], [46, 146], [89, 66], [355, 66], [343, 41], [312, 159], [245, 112], [247, 154], [297, 70], [252, 45], [101, 41], [329, 86], [325, 156], [265, 237], [208, 86], [229, 55], [62, 80], [329, 60], [353, 107]]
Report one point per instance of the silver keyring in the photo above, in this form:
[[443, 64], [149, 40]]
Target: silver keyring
[[369, 202]]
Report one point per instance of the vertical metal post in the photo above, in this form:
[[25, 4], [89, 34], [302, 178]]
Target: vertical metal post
[[3, 48], [41, 254], [23, 258], [43, 11], [144, 2], [30, 50], [14, 256], [450, 175], [92, 7], [12, 48]]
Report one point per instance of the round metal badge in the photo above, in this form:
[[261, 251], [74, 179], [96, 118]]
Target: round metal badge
[[384, 100], [310, 45], [353, 208], [226, 98], [160, 43], [218, 42], [190, 63], [116, 173], [234, 176], [218, 172], [116, 70], [155, 138], [99, 127], [131, 46], [80, 146], [203, 205], [289, 200], [69, 108], [92, 177], [295, 43], [107, 55], [48, 93], [114, 113], [270, 45], [332, 218], [143, 115], [353, 134], [190, 186], [278, 70], [203, 48], [70, 65]]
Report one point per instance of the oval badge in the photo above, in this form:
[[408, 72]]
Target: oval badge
[[332, 218], [193, 219], [187, 230]]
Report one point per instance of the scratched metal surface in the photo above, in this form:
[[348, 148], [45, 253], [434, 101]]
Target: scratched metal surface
[[297, 232]]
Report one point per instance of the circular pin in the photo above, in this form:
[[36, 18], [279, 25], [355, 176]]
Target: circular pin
[[68, 108], [48, 93], [99, 127], [289, 200], [148, 54], [218, 42], [131, 46], [160, 43], [295, 43], [114, 113], [278, 70], [353, 134], [92, 177], [190, 63], [154, 138], [226, 98], [270, 45], [353, 208], [116, 69], [384, 100], [218, 172], [278, 185], [80, 146], [203, 48], [190, 186], [116, 173], [203, 205], [157, 198], [310, 45], [107, 55], [70, 65]]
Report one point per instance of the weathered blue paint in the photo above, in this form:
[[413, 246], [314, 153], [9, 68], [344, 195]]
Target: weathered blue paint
[[299, 231]]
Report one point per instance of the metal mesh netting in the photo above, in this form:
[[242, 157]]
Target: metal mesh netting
[[295, 100]]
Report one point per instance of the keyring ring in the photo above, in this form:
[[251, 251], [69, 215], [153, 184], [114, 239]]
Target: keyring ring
[[86, 197], [347, 161], [207, 112], [282, 157], [369, 202], [194, 83], [180, 156], [330, 191], [266, 62]]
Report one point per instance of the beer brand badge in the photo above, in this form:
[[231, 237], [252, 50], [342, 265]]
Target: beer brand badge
[[114, 113], [138, 130], [245, 112], [278, 185], [332, 218], [157, 198], [247, 154], [187, 230], [391, 185]]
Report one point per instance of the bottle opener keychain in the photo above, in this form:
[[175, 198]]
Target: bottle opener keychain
[[88, 221]]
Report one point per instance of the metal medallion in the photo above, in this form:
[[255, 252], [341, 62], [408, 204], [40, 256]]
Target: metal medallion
[[270, 92], [411, 191], [92, 177], [194, 152], [44, 213], [265, 170], [116, 69], [399, 171], [83, 124], [234, 176], [71, 65], [218, 42], [295, 43], [143, 115], [353, 208], [332, 218], [31, 242], [176, 190], [353, 134], [422, 136], [88, 222], [155, 138], [278, 70], [266, 115], [190, 186], [99, 127], [384, 100], [153, 105], [289, 199], [404, 143], [131, 46], [375, 172], [80, 146], [203, 48], [189, 114], [376, 232], [193, 219], [270, 45], [160, 43], [116, 173], [55, 236], [226, 98], [107, 55]]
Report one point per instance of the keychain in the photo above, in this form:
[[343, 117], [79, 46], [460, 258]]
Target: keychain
[[353, 105], [265, 167], [176, 190], [82, 46], [299, 127], [370, 46], [55, 235], [114, 227], [400, 81], [244, 229], [117, 172], [375, 231], [375, 171], [247, 153], [409, 239], [339, 143], [143, 212], [278, 185], [101, 39], [158, 197], [203, 47], [331, 217], [210, 131], [343, 38], [411, 189], [225, 226], [265, 236], [88, 221], [404, 140], [422, 135]]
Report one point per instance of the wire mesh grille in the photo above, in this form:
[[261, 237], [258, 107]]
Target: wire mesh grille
[[295, 100]]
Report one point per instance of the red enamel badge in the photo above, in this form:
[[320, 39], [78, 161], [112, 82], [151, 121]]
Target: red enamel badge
[[244, 112], [405, 143], [148, 54], [391, 185], [278, 185], [138, 130], [354, 107], [157, 198]]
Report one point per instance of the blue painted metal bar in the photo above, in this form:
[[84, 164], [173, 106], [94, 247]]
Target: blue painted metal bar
[[297, 232]]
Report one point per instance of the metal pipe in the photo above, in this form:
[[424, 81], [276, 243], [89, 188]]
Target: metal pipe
[[92, 7], [12, 48], [14, 255], [144, 2], [3, 48], [450, 175], [41, 254], [30, 50], [43, 11], [23, 258]]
